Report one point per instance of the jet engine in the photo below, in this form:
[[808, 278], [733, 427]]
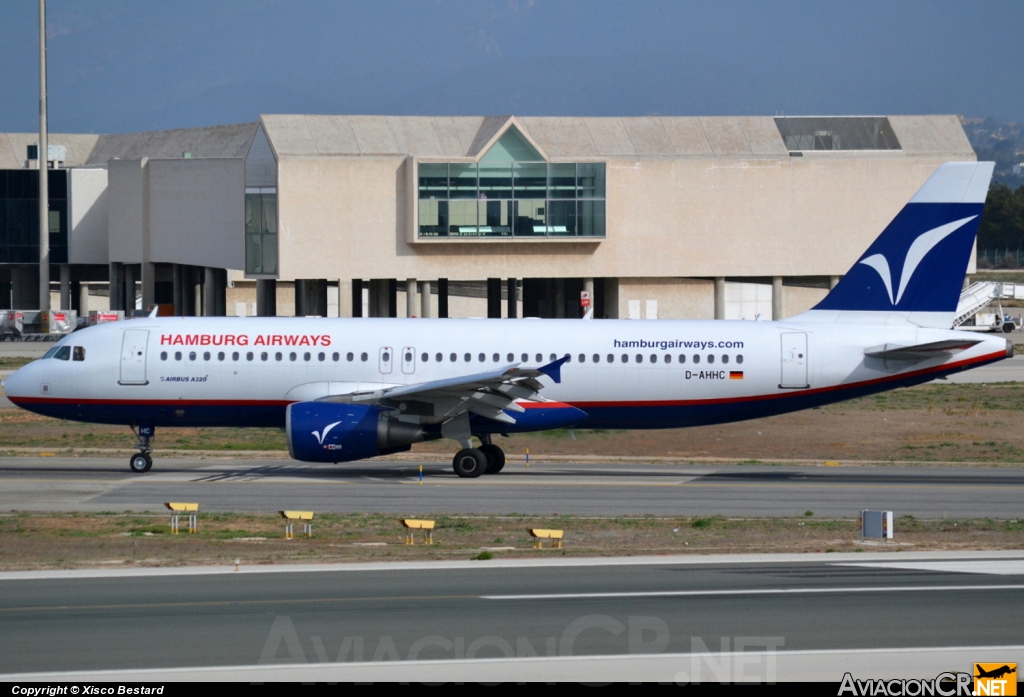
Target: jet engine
[[332, 432]]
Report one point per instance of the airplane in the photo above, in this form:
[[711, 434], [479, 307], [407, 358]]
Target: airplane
[[349, 389]]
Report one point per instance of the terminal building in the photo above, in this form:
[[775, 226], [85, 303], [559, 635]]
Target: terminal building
[[497, 216]]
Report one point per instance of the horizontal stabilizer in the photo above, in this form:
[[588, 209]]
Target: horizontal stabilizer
[[920, 352]]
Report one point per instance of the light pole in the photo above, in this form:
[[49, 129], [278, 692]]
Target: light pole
[[44, 193]]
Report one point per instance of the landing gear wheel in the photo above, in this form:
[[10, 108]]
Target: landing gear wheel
[[141, 463], [469, 463], [495, 458]]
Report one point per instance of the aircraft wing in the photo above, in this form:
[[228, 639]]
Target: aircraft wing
[[484, 394], [920, 352]]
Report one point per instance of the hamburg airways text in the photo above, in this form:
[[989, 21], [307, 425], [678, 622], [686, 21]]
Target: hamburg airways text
[[245, 340], [675, 344]]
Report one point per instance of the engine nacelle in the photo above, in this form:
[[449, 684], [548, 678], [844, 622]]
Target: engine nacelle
[[332, 432]]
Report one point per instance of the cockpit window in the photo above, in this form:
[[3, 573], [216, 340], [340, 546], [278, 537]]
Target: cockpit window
[[79, 353], [63, 353]]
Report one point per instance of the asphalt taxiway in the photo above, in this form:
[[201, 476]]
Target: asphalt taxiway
[[830, 607], [88, 484]]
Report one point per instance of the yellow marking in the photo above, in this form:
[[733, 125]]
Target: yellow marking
[[182, 507], [297, 515], [414, 524]]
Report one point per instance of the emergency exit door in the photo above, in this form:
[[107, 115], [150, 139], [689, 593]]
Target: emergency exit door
[[794, 361], [133, 357]]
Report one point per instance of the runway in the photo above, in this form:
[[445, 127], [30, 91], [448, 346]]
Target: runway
[[463, 611], [84, 484]]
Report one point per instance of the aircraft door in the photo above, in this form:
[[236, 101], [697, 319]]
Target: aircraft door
[[794, 360], [386, 358], [133, 357], [408, 360]]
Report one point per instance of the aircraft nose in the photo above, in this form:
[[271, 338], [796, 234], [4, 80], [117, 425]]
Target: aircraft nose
[[14, 384]]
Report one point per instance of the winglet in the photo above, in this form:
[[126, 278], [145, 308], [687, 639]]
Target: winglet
[[554, 369], [155, 311]]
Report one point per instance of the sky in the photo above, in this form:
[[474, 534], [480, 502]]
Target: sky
[[136, 65]]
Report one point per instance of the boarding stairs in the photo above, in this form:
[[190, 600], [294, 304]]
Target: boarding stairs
[[974, 298]]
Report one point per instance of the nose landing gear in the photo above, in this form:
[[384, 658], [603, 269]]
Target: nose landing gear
[[142, 462]]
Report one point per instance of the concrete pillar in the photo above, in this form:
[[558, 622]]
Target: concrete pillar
[[195, 291], [148, 282], [776, 297], [74, 296], [221, 298], [410, 297], [209, 292], [116, 281], [425, 299], [588, 287], [392, 297], [559, 312], [301, 297], [266, 297], [494, 298], [178, 286], [719, 297], [442, 297], [320, 296], [65, 286], [345, 298], [357, 297], [511, 299], [833, 281], [83, 299], [129, 290]]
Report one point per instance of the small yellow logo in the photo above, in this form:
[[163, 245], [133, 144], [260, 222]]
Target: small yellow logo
[[995, 679]]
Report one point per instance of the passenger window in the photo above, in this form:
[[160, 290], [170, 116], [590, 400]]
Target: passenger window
[[725, 358], [539, 358], [321, 356], [496, 358], [335, 356], [526, 358], [263, 356], [696, 358], [177, 355], [639, 358], [625, 358], [682, 358], [278, 356], [511, 357], [292, 356], [597, 358], [385, 356], [63, 353], [438, 357], [453, 358], [349, 356], [568, 358], [235, 356], [711, 358], [468, 357], [553, 357], [206, 355], [306, 356], [739, 358], [611, 358], [163, 355], [363, 357], [654, 358], [425, 357], [482, 358], [668, 357], [191, 355], [220, 355], [583, 358], [408, 357]]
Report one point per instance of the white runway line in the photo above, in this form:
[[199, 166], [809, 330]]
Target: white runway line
[[752, 591]]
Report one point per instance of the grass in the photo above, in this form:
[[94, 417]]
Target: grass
[[82, 540]]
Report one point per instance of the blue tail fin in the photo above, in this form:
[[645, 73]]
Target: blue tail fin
[[914, 271]]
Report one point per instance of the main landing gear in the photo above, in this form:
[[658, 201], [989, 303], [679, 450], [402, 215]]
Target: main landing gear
[[143, 462], [472, 462]]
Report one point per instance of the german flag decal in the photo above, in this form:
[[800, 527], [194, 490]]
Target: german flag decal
[[735, 374]]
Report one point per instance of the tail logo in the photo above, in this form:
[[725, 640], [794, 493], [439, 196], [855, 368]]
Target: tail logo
[[917, 252], [327, 429]]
